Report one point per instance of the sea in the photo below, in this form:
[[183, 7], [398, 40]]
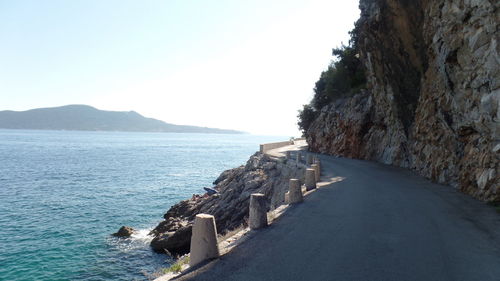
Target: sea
[[63, 193]]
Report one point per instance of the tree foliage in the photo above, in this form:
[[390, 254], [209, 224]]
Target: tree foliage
[[306, 117], [344, 77]]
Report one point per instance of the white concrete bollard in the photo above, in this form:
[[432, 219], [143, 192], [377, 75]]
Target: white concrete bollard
[[287, 197], [310, 181], [317, 161], [203, 240], [257, 217], [309, 159], [295, 192], [288, 155], [316, 171]]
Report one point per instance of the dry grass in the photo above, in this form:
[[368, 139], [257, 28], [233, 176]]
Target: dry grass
[[175, 268], [230, 233]]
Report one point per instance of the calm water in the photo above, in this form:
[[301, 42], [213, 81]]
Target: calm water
[[63, 193]]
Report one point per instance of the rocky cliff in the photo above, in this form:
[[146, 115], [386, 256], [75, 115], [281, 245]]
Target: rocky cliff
[[433, 93], [261, 174]]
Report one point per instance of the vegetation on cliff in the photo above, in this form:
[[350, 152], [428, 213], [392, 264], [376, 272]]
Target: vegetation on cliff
[[344, 77]]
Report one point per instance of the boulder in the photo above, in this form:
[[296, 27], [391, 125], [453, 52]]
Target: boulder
[[124, 231], [174, 243]]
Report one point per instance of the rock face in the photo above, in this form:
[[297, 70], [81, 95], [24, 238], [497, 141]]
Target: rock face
[[229, 206], [433, 96]]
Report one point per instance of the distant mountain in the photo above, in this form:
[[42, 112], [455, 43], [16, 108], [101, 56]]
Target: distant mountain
[[87, 118]]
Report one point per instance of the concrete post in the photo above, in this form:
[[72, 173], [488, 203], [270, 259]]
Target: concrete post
[[310, 181], [287, 197], [203, 240], [288, 155], [295, 192], [257, 216], [316, 160], [316, 171], [309, 159]]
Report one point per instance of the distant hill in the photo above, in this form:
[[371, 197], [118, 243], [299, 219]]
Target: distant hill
[[87, 118]]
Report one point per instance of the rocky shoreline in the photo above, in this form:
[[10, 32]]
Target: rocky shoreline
[[262, 173]]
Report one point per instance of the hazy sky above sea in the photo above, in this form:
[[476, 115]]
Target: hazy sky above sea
[[245, 65]]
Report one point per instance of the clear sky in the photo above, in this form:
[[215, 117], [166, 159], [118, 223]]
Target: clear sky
[[245, 65]]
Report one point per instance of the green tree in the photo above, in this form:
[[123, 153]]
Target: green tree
[[306, 116], [345, 76]]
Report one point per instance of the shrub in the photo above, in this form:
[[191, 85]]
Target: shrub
[[177, 266], [306, 117], [344, 77]]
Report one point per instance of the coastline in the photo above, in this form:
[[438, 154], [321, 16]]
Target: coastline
[[266, 171], [77, 188]]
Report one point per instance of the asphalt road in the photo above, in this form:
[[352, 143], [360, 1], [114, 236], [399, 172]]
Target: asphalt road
[[378, 223]]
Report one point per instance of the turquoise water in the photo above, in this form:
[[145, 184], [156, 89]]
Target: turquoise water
[[63, 193]]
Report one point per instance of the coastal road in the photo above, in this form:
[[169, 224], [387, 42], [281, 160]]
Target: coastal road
[[377, 223]]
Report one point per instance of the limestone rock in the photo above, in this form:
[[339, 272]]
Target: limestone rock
[[230, 206], [433, 94]]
